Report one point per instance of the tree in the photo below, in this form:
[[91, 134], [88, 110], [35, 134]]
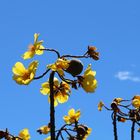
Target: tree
[[58, 90]]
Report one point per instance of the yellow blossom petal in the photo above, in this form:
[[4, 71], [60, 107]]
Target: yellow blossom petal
[[89, 83], [78, 114], [60, 65], [100, 105], [24, 134], [136, 103], [45, 88], [22, 75], [36, 35], [44, 129], [71, 112], [61, 91], [28, 55], [38, 51], [72, 116], [66, 119], [89, 71], [62, 98], [33, 66], [18, 69]]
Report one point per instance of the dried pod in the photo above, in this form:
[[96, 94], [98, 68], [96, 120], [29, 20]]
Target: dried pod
[[92, 52], [75, 67], [120, 119]]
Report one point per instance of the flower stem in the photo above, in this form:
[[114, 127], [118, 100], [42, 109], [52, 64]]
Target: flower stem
[[52, 50], [132, 130], [115, 126], [36, 78], [52, 110]]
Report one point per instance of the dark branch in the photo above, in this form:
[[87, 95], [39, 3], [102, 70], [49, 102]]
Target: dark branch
[[35, 78], [132, 130], [52, 50], [115, 126], [52, 110], [74, 56]]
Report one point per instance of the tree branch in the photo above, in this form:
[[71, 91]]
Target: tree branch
[[52, 110]]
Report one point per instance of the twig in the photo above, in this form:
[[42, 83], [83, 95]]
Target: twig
[[61, 136], [52, 50], [74, 56], [35, 78]]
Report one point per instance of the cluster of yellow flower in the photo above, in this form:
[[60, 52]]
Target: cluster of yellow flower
[[125, 110], [135, 102], [73, 116], [61, 90], [24, 76]]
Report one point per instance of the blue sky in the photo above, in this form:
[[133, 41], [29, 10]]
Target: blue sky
[[70, 26]]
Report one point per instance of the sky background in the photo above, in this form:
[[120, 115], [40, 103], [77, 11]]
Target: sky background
[[70, 26]]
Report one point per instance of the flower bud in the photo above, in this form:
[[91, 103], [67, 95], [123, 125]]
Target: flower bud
[[75, 67]]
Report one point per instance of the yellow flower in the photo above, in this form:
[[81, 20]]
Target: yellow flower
[[89, 83], [22, 75], [44, 129], [136, 103], [60, 65], [72, 116], [61, 91], [24, 134], [100, 105], [34, 48]]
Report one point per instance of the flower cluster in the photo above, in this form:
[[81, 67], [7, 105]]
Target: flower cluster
[[87, 81], [125, 110], [58, 88], [72, 128]]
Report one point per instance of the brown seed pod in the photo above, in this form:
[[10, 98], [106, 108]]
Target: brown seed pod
[[75, 67], [92, 52]]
